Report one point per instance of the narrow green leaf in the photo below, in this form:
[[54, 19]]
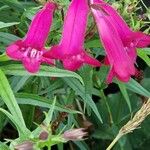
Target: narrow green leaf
[[82, 145], [124, 93], [80, 90], [3, 146], [29, 13], [9, 99], [47, 71], [14, 121], [28, 112], [87, 79], [13, 3], [137, 88], [5, 25], [4, 57], [7, 38], [3, 7], [49, 115], [33, 99], [143, 55], [18, 82], [146, 50]]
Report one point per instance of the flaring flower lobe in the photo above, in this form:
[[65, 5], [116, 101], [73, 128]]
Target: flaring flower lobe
[[30, 49]]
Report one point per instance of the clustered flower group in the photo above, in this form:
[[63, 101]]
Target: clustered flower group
[[119, 41]]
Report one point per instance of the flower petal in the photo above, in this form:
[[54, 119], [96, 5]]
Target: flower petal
[[40, 26], [110, 76], [75, 62], [124, 78], [73, 31], [74, 27], [13, 50], [71, 65], [119, 23], [54, 52], [142, 40], [90, 60], [132, 53], [119, 73], [124, 71], [31, 65], [126, 34], [118, 58], [70, 49]]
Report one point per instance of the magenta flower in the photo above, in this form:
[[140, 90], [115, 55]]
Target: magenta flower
[[119, 41], [70, 49], [30, 49]]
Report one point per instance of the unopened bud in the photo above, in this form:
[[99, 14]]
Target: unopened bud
[[43, 135], [28, 145], [75, 134]]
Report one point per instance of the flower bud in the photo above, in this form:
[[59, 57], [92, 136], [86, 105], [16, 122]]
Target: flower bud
[[27, 145], [75, 134], [43, 135]]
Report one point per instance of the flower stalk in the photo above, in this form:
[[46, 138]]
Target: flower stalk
[[132, 124]]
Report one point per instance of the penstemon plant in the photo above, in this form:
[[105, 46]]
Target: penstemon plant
[[74, 74]]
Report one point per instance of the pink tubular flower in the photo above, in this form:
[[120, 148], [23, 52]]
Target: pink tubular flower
[[30, 50], [119, 41], [70, 49]]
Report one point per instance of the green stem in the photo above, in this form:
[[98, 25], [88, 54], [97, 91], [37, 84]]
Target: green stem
[[107, 105], [80, 109], [49, 148], [144, 5], [114, 141]]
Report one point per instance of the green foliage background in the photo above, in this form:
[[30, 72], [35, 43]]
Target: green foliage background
[[84, 95]]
